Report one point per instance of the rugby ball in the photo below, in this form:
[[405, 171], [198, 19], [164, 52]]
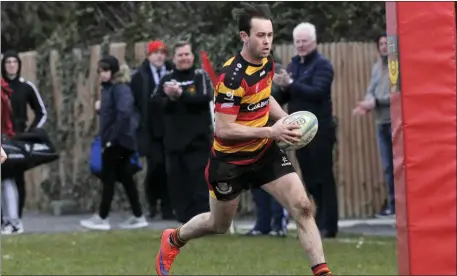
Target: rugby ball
[[308, 127]]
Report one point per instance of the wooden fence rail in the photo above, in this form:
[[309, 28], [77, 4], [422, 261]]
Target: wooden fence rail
[[361, 189]]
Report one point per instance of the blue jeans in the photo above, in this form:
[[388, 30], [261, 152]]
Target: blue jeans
[[385, 149], [270, 215]]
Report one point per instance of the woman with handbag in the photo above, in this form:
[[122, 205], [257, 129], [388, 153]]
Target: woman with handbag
[[118, 124]]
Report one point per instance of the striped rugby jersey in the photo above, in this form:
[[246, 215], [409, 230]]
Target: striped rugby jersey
[[244, 89]]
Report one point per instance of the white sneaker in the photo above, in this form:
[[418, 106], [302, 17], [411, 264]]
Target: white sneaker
[[11, 228], [20, 226], [134, 223], [96, 223]]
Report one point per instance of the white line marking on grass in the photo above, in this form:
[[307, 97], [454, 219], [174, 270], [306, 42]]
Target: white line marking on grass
[[358, 242]]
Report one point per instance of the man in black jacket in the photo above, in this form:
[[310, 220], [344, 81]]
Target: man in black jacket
[[307, 86], [150, 131], [185, 93], [24, 94]]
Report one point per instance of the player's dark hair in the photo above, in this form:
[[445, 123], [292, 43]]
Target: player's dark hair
[[247, 12]]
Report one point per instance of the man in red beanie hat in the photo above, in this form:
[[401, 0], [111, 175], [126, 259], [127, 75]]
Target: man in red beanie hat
[[150, 131]]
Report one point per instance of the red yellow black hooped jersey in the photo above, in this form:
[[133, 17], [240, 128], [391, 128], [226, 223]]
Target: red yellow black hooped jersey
[[244, 89]]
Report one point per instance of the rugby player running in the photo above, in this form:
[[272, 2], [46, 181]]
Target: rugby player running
[[244, 154]]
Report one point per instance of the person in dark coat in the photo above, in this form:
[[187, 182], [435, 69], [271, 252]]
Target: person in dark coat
[[118, 126], [306, 85], [150, 131], [185, 93]]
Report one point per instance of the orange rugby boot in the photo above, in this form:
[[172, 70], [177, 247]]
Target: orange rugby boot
[[166, 255]]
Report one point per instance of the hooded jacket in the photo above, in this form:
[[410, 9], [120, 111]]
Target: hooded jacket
[[118, 115], [24, 93]]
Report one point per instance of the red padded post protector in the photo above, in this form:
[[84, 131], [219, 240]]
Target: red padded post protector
[[422, 67]]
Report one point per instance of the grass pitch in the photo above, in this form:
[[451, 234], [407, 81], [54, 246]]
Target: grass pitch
[[133, 253]]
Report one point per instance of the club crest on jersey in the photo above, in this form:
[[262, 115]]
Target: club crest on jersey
[[192, 89], [269, 80]]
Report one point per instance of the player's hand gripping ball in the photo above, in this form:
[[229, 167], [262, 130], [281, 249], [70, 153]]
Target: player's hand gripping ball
[[308, 128]]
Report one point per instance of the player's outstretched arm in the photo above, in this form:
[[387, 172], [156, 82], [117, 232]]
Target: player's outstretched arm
[[276, 112]]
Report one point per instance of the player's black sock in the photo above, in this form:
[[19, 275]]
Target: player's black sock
[[175, 240], [321, 270]]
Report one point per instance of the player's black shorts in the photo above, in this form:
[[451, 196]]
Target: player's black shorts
[[226, 181]]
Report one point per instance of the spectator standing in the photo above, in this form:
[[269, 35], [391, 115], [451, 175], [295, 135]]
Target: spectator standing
[[10, 202], [306, 85], [185, 94], [23, 94], [150, 131], [118, 126], [377, 98]]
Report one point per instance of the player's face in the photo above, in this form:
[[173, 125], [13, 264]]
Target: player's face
[[303, 42], [383, 46], [183, 59], [260, 38], [11, 66], [157, 58]]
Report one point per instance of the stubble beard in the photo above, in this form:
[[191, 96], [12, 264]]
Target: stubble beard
[[254, 53]]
